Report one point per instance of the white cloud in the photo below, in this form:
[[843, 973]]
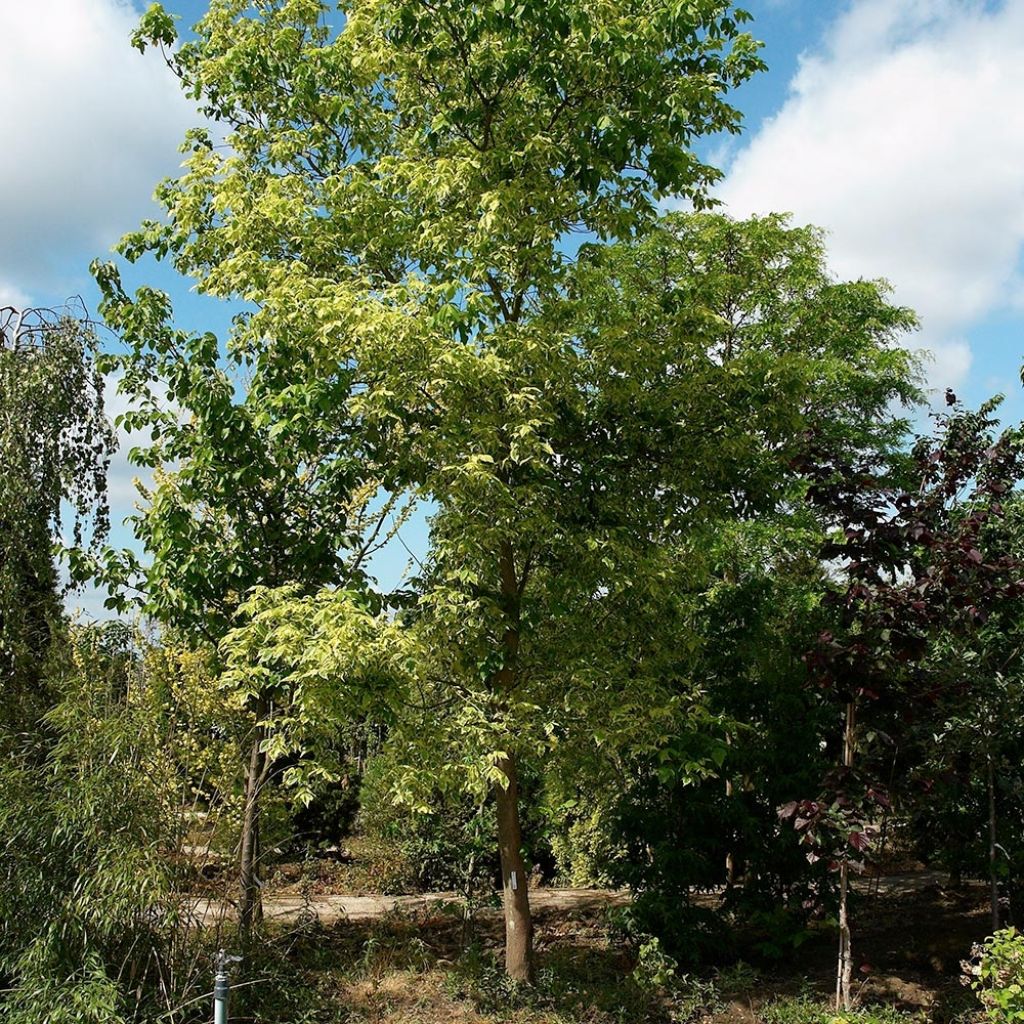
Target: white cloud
[[951, 362], [12, 296], [87, 127], [904, 138]]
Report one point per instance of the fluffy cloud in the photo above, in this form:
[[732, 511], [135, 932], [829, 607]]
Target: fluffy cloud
[[904, 138], [11, 296], [89, 127]]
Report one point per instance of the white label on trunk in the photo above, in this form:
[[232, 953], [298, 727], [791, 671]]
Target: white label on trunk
[[513, 885]]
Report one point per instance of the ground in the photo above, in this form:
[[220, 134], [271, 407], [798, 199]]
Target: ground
[[415, 960]]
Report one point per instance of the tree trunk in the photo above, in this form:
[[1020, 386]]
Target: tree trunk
[[730, 852], [730, 856], [992, 844], [844, 969], [250, 904], [518, 921], [962, 770]]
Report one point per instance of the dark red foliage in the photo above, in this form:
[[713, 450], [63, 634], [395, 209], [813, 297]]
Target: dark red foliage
[[916, 556]]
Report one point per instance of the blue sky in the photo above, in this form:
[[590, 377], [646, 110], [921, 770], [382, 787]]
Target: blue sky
[[895, 125]]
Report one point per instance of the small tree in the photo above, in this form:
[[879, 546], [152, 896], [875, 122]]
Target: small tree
[[918, 562], [258, 482], [55, 444]]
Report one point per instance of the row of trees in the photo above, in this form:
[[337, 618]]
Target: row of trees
[[665, 459]]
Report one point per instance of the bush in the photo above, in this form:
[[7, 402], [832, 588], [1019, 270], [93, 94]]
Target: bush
[[329, 817], [449, 848], [479, 976], [692, 935], [87, 931], [996, 974]]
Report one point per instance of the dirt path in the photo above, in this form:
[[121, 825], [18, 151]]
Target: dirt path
[[331, 909]]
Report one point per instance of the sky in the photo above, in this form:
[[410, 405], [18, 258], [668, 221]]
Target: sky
[[897, 126]]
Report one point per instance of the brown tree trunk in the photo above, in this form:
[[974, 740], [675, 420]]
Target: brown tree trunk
[[993, 846], [250, 903], [844, 969], [518, 920]]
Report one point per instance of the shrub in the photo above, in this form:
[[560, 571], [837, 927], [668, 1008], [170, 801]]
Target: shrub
[[448, 848], [808, 1010], [996, 974], [87, 929]]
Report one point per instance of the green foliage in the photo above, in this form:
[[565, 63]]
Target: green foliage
[[690, 935], [588, 987], [273, 984], [950, 823], [397, 201], [255, 481], [656, 971], [807, 1010], [392, 191], [55, 444], [395, 204], [156, 27], [480, 977], [669, 833], [618, 438], [654, 967], [974, 727], [645, 420], [315, 666], [460, 141], [643, 458], [996, 974], [582, 838], [86, 915], [329, 815], [202, 733], [448, 848]]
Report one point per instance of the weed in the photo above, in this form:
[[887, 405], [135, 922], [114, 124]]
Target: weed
[[808, 1010]]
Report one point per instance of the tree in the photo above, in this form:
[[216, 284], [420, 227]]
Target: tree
[[258, 482], [922, 558], [967, 809], [711, 357], [398, 196], [669, 834], [55, 444], [658, 403]]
